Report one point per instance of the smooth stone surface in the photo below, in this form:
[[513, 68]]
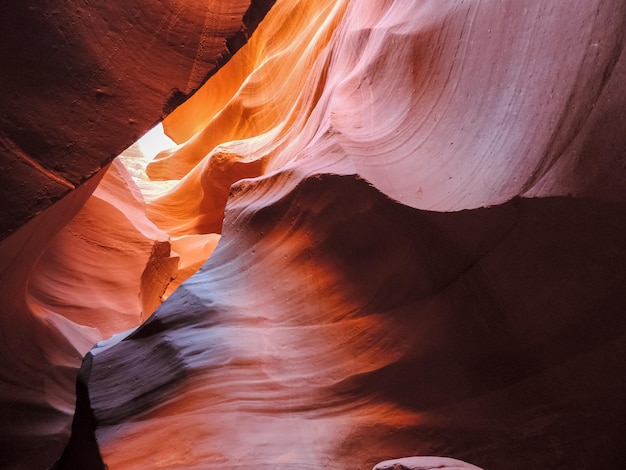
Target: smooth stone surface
[[424, 463]]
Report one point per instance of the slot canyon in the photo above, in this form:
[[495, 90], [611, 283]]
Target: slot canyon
[[313, 234]]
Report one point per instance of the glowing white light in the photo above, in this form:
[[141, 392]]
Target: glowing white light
[[137, 157], [154, 141]]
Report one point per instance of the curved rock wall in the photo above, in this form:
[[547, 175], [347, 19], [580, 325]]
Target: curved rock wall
[[333, 327], [457, 105], [340, 321], [82, 80], [74, 275]]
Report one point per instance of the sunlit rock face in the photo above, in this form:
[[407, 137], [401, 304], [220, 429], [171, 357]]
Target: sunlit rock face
[[456, 105], [420, 211], [335, 327], [72, 276], [337, 324], [82, 80]]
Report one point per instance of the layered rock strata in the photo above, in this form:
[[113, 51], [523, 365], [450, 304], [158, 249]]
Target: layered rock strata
[[89, 267], [388, 350], [82, 80], [340, 321], [333, 328]]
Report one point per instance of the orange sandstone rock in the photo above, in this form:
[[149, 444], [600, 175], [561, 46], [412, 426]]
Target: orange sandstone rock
[[82, 80], [451, 106], [334, 327], [68, 282], [337, 323]]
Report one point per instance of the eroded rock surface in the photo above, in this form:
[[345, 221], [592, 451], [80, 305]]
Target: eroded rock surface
[[341, 332], [332, 327], [82, 80], [340, 320], [456, 105], [70, 277]]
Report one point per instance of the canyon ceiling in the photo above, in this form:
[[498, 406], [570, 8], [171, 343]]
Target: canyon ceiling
[[382, 230]]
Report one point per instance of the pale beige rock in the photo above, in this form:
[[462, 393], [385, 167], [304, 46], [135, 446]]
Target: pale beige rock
[[424, 463], [453, 106]]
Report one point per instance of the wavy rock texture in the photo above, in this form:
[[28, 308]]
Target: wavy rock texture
[[71, 277], [82, 80], [341, 321], [333, 327], [38, 362], [453, 106]]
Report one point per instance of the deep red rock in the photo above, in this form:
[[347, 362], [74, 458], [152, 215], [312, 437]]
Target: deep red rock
[[81, 81]]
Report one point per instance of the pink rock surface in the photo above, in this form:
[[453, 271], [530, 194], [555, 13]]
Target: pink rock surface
[[453, 106], [72, 276], [420, 211], [424, 463], [333, 327], [348, 350]]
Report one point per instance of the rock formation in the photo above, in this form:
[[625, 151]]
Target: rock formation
[[414, 212], [424, 463], [82, 80]]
